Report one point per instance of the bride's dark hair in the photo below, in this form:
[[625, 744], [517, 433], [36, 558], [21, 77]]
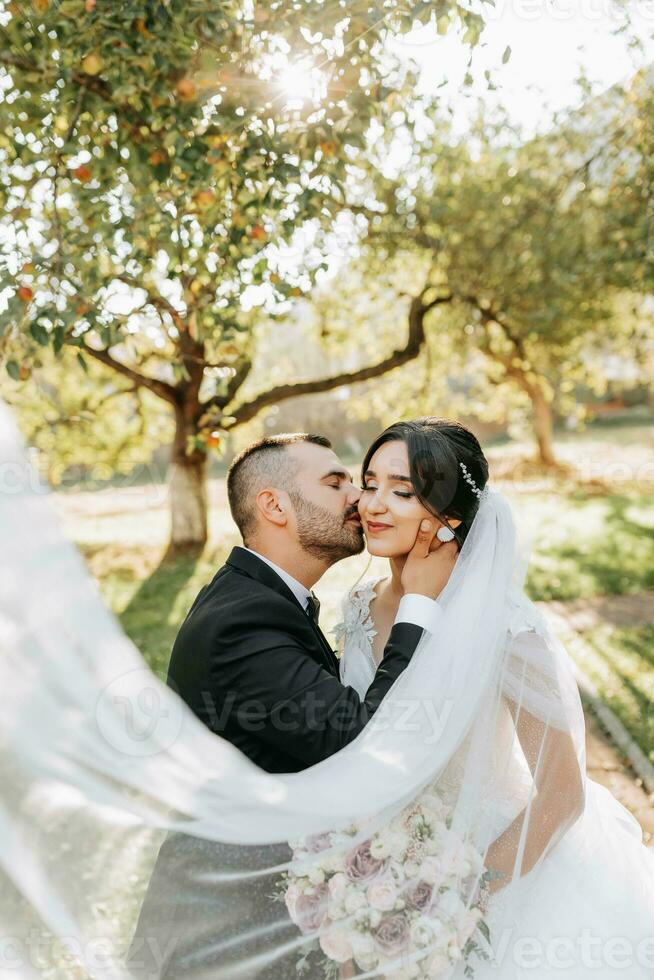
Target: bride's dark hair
[[436, 448]]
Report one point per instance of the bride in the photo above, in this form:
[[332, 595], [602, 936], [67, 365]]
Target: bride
[[585, 905], [458, 835]]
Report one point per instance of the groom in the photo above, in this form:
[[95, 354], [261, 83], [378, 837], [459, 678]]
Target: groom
[[250, 659], [251, 662]]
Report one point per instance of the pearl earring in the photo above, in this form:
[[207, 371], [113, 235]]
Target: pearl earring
[[445, 534]]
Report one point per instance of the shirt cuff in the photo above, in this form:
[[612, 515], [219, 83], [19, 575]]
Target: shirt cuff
[[419, 610]]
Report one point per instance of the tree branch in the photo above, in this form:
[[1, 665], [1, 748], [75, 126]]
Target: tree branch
[[489, 314], [160, 388], [417, 313], [154, 298], [237, 380]]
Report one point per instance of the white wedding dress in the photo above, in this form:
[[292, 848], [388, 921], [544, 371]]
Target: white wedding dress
[[587, 912]]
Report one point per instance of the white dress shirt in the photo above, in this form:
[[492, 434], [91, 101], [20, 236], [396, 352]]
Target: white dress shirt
[[300, 591], [417, 609]]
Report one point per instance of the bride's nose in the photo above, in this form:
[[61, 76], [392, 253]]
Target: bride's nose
[[375, 503]]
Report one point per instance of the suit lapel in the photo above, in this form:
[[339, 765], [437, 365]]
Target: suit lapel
[[248, 563]]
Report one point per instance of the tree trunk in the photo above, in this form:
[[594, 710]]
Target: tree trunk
[[543, 424], [187, 487]]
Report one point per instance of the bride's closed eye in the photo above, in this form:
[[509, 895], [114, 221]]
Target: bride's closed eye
[[398, 493]]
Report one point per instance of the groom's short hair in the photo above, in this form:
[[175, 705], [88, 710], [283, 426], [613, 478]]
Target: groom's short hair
[[265, 462]]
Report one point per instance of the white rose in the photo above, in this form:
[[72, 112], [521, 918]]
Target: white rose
[[382, 893], [398, 842], [450, 904], [316, 876], [431, 870], [362, 944], [375, 918], [354, 900], [337, 886], [367, 961], [337, 911], [333, 863], [422, 932], [335, 944]]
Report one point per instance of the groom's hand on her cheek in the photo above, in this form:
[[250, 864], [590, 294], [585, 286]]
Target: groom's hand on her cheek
[[429, 564]]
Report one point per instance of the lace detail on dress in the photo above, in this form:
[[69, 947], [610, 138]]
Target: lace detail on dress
[[356, 627]]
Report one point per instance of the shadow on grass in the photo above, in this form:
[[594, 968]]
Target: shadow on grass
[[628, 656], [156, 610], [150, 619]]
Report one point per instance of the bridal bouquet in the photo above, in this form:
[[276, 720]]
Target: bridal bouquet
[[391, 896]]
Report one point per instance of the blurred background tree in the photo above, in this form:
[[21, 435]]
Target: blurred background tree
[[161, 162], [511, 235]]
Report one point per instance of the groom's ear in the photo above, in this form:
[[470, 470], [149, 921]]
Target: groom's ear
[[273, 506]]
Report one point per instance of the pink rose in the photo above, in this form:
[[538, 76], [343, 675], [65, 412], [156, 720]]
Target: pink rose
[[418, 895], [392, 934], [360, 865], [292, 894], [311, 909], [382, 893]]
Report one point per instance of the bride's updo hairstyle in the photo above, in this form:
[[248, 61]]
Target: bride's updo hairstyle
[[436, 448]]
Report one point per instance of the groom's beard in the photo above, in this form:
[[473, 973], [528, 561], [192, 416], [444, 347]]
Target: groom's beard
[[325, 535]]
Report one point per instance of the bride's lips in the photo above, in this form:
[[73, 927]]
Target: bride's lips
[[374, 528]]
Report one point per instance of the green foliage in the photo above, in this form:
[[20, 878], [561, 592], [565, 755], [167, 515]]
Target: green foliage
[[89, 430], [513, 232], [152, 150], [627, 185]]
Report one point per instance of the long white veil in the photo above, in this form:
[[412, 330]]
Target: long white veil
[[136, 843]]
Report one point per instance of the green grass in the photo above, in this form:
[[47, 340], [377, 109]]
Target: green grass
[[620, 662], [589, 545]]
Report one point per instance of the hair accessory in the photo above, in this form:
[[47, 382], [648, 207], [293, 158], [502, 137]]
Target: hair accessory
[[473, 486], [445, 534]]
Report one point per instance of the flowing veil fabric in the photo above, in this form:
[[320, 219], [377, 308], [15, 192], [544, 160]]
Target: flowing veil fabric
[[117, 802]]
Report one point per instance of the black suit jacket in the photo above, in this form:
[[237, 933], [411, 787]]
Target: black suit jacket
[[257, 671], [253, 667]]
